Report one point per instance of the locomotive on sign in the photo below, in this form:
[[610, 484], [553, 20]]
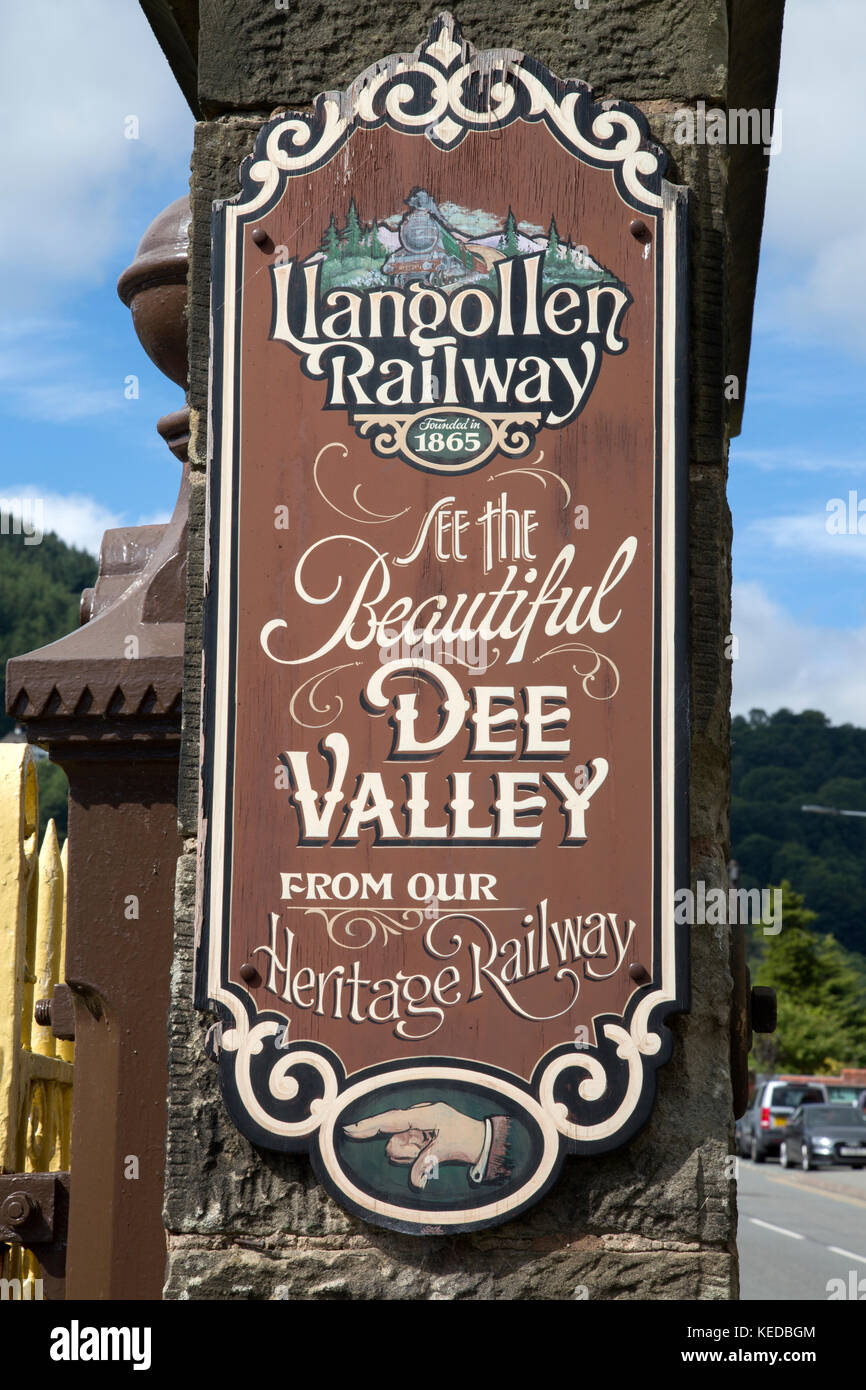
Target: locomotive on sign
[[431, 252]]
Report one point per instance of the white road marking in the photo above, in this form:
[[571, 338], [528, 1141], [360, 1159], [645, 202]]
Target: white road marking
[[768, 1226], [849, 1254]]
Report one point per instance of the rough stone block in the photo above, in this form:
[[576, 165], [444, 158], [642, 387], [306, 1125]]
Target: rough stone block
[[254, 55]]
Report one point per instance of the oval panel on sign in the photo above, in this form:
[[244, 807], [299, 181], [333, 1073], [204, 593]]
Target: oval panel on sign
[[438, 1145], [449, 439]]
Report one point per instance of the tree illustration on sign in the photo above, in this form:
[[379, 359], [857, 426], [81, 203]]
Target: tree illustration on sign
[[509, 244], [353, 231]]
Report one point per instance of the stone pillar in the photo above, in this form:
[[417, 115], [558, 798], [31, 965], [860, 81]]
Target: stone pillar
[[656, 1218], [106, 703]]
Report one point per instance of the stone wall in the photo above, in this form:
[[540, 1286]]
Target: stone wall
[[655, 1219]]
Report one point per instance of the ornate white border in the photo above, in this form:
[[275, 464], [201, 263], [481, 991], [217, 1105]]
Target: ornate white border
[[423, 94], [436, 77]]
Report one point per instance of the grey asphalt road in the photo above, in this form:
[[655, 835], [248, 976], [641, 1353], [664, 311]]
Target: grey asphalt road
[[798, 1231]]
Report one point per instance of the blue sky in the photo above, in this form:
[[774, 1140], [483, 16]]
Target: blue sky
[[799, 591], [85, 194], [801, 445]]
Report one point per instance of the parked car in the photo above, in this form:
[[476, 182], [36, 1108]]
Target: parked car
[[841, 1094], [760, 1131], [836, 1091], [824, 1134]]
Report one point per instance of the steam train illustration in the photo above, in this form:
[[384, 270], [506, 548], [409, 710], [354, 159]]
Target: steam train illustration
[[430, 251]]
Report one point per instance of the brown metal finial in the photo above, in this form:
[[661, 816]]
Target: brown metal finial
[[154, 288]]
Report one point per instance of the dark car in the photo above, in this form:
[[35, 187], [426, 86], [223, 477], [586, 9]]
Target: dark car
[[824, 1134], [760, 1131]]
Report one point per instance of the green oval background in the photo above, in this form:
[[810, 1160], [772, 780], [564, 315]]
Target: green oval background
[[367, 1164], [447, 456]]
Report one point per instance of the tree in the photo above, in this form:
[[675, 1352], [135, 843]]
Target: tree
[[353, 232], [776, 784], [330, 243], [377, 251], [847, 792], [821, 997], [40, 597], [781, 762], [509, 242], [553, 252], [53, 797]]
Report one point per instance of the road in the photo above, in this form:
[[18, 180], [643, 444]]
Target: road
[[798, 1231]]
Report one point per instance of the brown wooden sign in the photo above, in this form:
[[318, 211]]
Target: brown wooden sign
[[445, 705]]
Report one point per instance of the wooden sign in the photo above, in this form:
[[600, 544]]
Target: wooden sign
[[444, 772]]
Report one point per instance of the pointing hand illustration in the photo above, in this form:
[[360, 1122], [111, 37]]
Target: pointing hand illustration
[[424, 1136]]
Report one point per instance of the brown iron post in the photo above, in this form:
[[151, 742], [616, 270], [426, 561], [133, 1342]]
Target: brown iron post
[[106, 703]]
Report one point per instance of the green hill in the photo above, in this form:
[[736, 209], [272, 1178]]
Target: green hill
[[40, 591], [781, 762]]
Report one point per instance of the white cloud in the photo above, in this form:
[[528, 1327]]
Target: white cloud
[[786, 664], [815, 225], [791, 461], [74, 183], [806, 533], [76, 518]]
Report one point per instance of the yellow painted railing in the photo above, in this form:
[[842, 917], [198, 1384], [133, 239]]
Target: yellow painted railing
[[35, 1068]]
